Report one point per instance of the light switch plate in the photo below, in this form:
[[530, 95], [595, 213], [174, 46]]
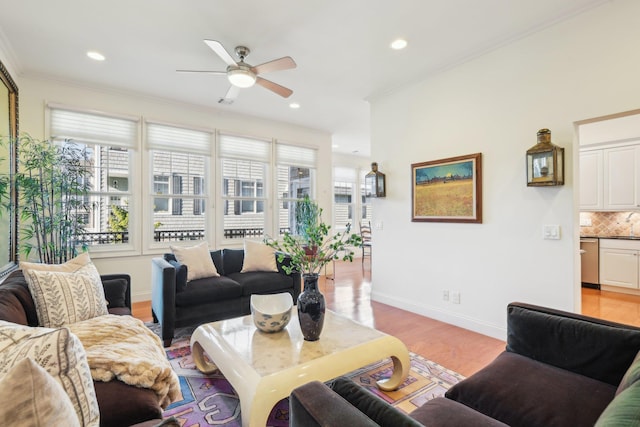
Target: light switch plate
[[551, 232]]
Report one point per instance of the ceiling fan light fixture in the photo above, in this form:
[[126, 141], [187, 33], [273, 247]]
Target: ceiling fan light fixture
[[240, 77]]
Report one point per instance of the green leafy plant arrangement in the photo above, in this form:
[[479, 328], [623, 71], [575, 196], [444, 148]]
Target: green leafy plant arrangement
[[314, 246], [53, 187]]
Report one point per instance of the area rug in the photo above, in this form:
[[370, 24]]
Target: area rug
[[209, 400]]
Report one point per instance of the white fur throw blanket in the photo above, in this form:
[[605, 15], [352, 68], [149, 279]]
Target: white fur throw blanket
[[122, 347]]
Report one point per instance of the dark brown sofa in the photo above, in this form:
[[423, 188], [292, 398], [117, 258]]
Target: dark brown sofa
[[120, 404], [177, 303], [558, 369]]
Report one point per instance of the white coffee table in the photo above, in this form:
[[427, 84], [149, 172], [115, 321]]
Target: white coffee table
[[264, 368]]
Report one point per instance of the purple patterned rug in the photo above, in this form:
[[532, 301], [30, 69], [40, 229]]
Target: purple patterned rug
[[209, 400]]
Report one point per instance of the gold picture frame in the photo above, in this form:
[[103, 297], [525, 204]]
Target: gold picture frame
[[447, 190]]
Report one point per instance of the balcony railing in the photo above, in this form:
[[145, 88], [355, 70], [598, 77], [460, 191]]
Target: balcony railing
[[109, 237]]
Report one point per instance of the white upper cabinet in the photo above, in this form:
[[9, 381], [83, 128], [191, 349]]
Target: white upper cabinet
[[621, 170], [591, 174], [609, 178]]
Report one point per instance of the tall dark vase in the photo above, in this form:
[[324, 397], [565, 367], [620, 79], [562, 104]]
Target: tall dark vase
[[311, 307]]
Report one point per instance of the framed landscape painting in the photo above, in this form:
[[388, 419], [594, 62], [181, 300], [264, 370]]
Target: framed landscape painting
[[447, 190]]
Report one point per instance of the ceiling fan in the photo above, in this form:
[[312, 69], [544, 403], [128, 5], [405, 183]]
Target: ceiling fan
[[243, 75]]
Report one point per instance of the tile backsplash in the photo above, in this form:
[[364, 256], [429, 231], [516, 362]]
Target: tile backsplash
[[610, 223]]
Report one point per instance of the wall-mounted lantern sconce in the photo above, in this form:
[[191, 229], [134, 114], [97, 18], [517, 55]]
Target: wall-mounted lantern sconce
[[374, 181], [545, 162]]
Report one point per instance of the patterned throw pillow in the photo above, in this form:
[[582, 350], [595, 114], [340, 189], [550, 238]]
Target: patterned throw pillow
[[62, 298], [258, 257], [61, 354], [70, 266], [36, 398]]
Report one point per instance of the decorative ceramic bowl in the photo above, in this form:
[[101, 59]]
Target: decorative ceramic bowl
[[271, 313]]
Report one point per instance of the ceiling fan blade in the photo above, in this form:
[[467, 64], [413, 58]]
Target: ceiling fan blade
[[285, 63], [274, 87], [220, 73], [217, 47]]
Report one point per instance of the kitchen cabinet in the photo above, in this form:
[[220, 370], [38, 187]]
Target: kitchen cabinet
[[609, 178], [621, 172], [591, 174], [619, 263]]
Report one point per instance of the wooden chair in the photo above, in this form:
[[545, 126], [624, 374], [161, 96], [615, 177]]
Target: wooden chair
[[365, 234]]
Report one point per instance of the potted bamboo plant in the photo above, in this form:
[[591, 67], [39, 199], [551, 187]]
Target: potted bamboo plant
[[53, 185], [310, 250]]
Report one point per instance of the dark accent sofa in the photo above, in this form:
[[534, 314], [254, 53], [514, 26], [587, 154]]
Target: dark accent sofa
[[177, 303], [558, 369], [120, 404]]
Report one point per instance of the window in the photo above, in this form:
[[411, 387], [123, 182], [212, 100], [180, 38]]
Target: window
[[244, 165], [179, 159], [366, 214], [110, 142], [344, 198], [296, 178], [198, 188]]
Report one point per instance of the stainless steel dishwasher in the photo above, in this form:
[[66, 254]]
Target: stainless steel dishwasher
[[589, 260]]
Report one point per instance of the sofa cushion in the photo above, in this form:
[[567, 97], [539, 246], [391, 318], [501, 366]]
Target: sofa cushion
[[232, 260], [116, 410], [61, 354], [62, 298], [211, 289], [443, 412], [115, 292], [11, 309], [197, 259], [258, 257], [181, 275], [520, 391], [262, 282], [32, 398], [624, 410], [372, 406], [16, 284], [573, 342]]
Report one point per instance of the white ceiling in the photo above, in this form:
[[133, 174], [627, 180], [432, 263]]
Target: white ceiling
[[341, 48]]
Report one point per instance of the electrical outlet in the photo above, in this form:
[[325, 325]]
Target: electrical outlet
[[445, 295], [455, 297]]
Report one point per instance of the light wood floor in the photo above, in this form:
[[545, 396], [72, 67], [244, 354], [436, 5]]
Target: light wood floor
[[455, 348]]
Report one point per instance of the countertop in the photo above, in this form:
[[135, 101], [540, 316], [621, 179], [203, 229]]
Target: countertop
[[610, 237]]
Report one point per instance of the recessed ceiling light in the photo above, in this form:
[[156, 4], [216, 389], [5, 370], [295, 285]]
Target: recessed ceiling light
[[294, 105], [398, 44], [335, 146], [97, 56]]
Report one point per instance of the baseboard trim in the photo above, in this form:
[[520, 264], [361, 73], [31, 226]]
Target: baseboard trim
[[456, 319]]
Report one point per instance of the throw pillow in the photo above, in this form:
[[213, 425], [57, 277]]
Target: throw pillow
[[73, 264], [631, 376], [36, 399], [197, 259], [115, 291], [624, 409], [62, 298], [258, 257], [61, 354]]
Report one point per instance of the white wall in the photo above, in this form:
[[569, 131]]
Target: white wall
[[578, 69], [35, 93]]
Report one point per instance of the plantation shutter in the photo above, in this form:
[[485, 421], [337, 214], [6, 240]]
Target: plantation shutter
[[236, 147], [171, 138], [293, 155], [93, 128]]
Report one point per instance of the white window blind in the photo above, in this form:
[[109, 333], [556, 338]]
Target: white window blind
[[244, 148], [344, 174], [171, 138], [295, 156], [90, 128]]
